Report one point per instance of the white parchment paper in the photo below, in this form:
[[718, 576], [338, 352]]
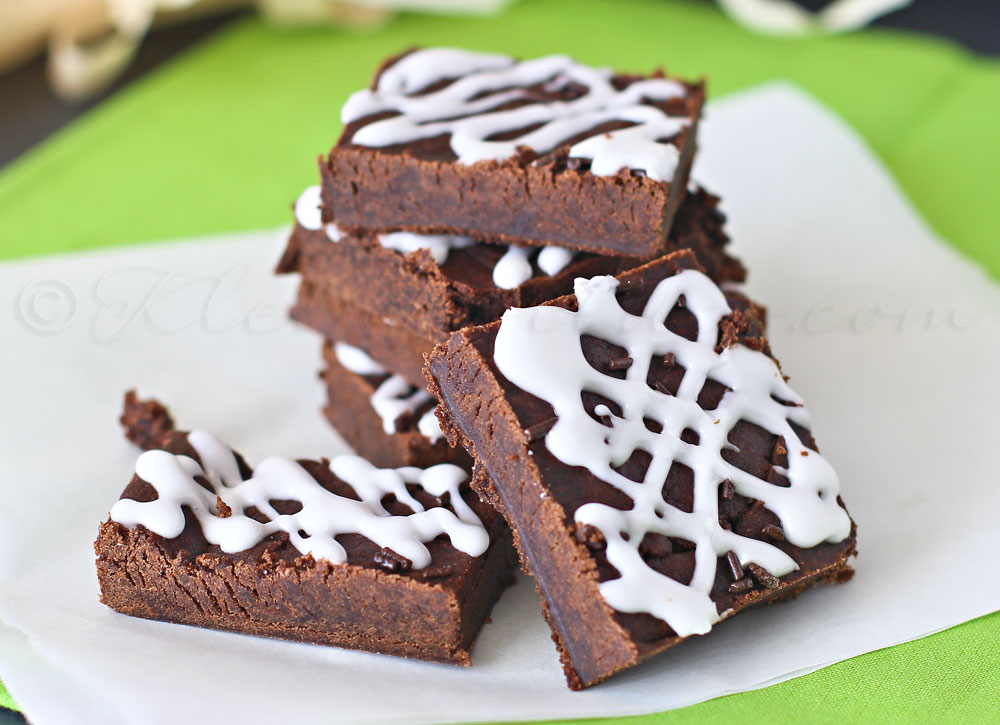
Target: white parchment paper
[[890, 336]]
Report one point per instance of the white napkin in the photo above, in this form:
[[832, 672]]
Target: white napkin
[[904, 405]]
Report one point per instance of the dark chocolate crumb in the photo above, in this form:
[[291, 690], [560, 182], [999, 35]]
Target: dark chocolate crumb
[[740, 586], [443, 500], [538, 430], [434, 571], [727, 490], [620, 363], [391, 561], [763, 576], [655, 546], [734, 565], [775, 533], [591, 537], [633, 286], [779, 449]]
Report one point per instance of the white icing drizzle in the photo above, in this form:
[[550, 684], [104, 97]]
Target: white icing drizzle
[[307, 211], [553, 260], [485, 81], [538, 349], [308, 215], [333, 232], [357, 360], [514, 268], [429, 426], [323, 516], [394, 397], [439, 245]]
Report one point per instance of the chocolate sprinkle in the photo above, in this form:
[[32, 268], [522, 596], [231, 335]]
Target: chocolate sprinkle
[[538, 430], [775, 533], [763, 576], [391, 561], [740, 586], [734, 565], [727, 490], [620, 363]]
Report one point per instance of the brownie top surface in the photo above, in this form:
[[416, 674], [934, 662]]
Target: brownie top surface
[[445, 104], [201, 497], [659, 421]]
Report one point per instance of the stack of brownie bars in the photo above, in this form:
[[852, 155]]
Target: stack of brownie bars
[[531, 326]]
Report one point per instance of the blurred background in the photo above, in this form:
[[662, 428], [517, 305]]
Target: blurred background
[[163, 119], [58, 58]]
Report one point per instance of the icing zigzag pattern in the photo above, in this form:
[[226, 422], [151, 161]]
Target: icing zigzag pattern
[[539, 350]]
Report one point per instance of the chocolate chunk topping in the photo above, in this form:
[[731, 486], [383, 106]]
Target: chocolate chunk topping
[[391, 561], [727, 490]]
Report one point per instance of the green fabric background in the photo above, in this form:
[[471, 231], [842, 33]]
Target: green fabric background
[[224, 138], [5, 699]]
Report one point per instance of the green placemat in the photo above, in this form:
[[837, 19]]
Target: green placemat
[[6, 700], [226, 136]]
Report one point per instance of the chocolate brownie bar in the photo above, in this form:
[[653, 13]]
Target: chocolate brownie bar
[[397, 561], [657, 470], [381, 415], [393, 345], [537, 152], [427, 287]]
